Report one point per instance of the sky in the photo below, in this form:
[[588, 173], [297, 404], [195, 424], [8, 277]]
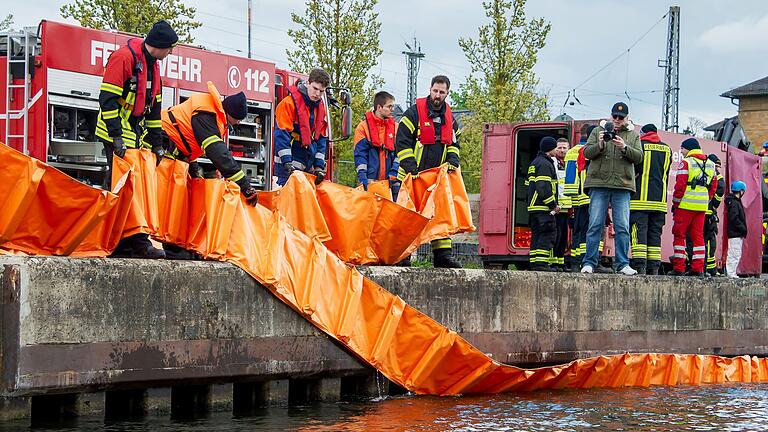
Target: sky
[[722, 46]]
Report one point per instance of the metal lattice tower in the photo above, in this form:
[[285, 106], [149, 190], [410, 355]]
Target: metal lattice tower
[[413, 60], [671, 65]]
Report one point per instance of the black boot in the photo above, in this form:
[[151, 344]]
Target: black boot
[[141, 247], [541, 268], [652, 267], [405, 262], [443, 258], [174, 252]]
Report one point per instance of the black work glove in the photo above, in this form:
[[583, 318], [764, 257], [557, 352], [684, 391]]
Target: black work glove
[[118, 147], [251, 195], [289, 168], [249, 192], [319, 176], [195, 170], [159, 152]]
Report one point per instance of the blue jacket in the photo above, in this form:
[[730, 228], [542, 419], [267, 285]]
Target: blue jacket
[[288, 148]]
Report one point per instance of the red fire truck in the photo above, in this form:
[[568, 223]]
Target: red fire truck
[[508, 150], [50, 77]]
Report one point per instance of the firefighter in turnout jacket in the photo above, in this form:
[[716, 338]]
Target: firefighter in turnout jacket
[[711, 219], [542, 205], [557, 260], [130, 101], [648, 204], [575, 175], [694, 187], [374, 151], [427, 137], [301, 129], [198, 127]]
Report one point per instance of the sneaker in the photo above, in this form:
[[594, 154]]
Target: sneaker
[[587, 269], [627, 270]]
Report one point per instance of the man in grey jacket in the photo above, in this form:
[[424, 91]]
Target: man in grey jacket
[[613, 149]]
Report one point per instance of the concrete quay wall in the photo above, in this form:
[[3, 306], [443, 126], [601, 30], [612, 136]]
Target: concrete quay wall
[[79, 326]]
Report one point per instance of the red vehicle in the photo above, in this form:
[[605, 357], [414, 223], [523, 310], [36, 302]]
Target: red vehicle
[[52, 114], [508, 150]]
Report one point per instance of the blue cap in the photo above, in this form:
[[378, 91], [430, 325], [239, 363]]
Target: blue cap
[[765, 144], [738, 186]]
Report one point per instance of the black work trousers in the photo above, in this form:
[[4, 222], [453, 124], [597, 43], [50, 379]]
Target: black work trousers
[[543, 234], [561, 239], [710, 242], [579, 233], [645, 233]]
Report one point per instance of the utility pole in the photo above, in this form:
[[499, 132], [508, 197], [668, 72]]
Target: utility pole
[[413, 60], [671, 65], [249, 28]]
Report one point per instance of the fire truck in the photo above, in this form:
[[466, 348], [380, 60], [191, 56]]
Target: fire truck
[[50, 78], [508, 150]]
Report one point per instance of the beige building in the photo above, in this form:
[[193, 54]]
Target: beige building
[[753, 110]]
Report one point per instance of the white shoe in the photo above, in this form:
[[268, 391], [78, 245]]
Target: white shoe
[[627, 270], [587, 269]]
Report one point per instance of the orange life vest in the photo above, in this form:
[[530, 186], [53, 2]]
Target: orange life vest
[[427, 127], [307, 132], [373, 131], [177, 121]]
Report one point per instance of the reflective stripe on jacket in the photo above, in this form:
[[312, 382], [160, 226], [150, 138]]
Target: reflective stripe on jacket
[[651, 175], [542, 184], [177, 122], [698, 173]]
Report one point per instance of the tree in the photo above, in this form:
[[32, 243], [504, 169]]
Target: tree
[[342, 37], [133, 16], [502, 84], [696, 128], [6, 22]]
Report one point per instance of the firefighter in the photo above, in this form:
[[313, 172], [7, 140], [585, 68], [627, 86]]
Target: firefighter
[[575, 174], [199, 126], [542, 205], [130, 101], [711, 220], [427, 137], [374, 153], [694, 187], [301, 129], [557, 261], [648, 204]]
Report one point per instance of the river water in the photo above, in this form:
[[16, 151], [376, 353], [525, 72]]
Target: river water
[[706, 408]]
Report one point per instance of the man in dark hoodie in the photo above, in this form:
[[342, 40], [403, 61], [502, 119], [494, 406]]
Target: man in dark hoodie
[[542, 204], [737, 226], [694, 187], [648, 204]]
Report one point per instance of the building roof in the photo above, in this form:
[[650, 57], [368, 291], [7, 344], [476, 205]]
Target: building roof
[[755, 88]]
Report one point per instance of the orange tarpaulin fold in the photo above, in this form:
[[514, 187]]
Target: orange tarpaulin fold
[[376, 326]]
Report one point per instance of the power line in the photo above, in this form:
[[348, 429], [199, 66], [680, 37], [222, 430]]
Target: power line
[[622, 53]]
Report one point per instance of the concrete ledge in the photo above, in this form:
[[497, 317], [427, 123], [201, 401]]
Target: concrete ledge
[[72, 325], [533, 317]]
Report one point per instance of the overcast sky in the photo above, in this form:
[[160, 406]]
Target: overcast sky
[[723, 45]]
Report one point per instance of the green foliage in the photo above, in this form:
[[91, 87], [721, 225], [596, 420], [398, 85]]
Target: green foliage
[[6, 22], [133, 16], [502, 85], [342, 37]]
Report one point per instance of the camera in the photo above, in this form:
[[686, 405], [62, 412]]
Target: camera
[[608, 136]]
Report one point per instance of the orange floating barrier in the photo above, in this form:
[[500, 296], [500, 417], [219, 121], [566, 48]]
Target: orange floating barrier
[[379, 328]]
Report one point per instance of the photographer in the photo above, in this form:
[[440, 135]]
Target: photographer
[[695, 185], [613, 149]]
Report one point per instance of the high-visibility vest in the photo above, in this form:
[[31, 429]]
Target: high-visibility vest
[[177, 122], [696, 196]]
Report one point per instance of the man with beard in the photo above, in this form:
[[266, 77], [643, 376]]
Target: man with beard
[[427, 137]]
